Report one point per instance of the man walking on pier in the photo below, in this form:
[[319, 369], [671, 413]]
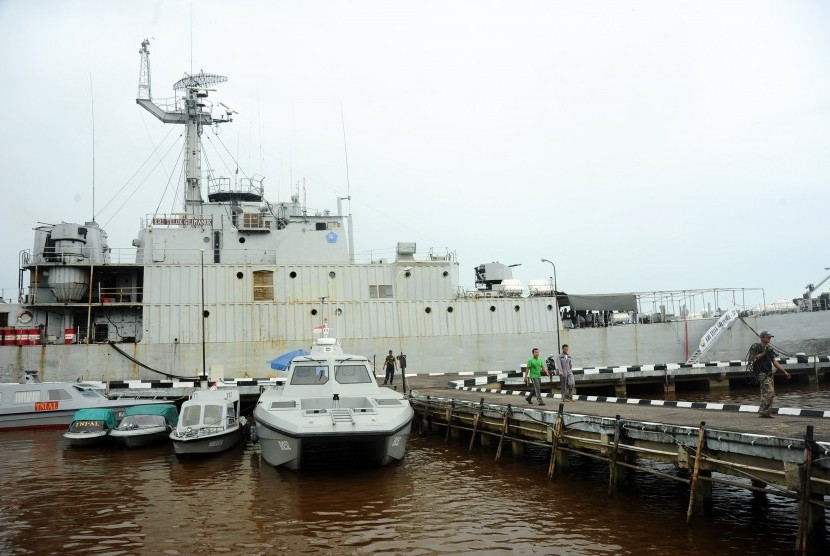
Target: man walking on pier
[[535, 368], [762, 358], [566, 375], [390, 363]]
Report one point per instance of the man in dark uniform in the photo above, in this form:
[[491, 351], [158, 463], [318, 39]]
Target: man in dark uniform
[[763, 358]]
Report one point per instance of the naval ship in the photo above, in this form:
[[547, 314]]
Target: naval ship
[[233, 281]]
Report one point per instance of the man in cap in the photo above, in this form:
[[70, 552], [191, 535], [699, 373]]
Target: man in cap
[[763, 358]]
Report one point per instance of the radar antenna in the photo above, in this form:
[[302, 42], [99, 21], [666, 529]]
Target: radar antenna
[[199, 80]]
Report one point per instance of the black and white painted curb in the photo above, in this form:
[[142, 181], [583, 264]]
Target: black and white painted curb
[[471, 385], [226, 383]]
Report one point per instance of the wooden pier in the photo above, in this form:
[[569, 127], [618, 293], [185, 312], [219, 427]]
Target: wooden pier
[[787, 456]]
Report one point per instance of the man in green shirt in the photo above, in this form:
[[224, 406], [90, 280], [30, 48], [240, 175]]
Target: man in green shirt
[[535, 368]]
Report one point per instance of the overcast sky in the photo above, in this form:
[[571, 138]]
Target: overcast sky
[[639, 145]]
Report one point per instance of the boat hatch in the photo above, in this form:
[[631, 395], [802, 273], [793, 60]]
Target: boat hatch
[[315, 411], [387, 401], [288, 404]]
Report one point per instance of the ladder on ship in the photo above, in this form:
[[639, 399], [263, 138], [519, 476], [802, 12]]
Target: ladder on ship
[[722, 325], [341, 415]]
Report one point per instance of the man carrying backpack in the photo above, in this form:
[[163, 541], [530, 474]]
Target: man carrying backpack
[[762, 358]]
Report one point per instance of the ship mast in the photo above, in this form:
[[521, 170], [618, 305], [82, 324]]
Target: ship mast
[[191, 110]]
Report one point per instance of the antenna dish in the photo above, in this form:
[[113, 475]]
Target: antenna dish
[[199, 80]]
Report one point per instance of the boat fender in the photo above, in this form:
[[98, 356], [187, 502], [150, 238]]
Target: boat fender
[[24, 317]]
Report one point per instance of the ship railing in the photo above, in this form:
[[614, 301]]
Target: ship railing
[[251, 185], [78, 255], [130, 294]]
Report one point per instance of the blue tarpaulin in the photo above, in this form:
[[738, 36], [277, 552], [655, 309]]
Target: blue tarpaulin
[[281, 363]]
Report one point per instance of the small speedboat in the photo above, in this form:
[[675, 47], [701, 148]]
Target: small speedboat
[[209, 423], [331, 406], [143, 425], [90, 427]]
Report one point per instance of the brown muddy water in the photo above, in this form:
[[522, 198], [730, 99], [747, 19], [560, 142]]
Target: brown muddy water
[[440, 500]]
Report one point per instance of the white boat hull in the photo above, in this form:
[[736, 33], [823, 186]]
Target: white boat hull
[[206, 444], [139, 438], [283, 449], [86, 439]]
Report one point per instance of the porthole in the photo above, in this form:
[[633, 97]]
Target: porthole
[[313, 312], [206, 239], [550, 307], [332, 274], [516, 308], [407, 274], [445, 274], [338, 312], [292, 274], [239, 275], [242, 240], [492, 308], [449, 309], [428, 310], [206, 313]]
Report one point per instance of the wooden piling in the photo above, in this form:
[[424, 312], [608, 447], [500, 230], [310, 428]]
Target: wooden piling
[[612, 478], [701, 433], [557, 432], [805, 523], [476, 419], [449, 420], [504, 428]]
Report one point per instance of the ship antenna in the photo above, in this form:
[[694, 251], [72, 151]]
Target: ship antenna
[[204, 366], [346, 154], [92, 111]]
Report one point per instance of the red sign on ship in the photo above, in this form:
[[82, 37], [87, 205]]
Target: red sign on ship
[[46, 406]]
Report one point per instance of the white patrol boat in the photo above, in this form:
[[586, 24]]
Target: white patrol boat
[[209, 423], [35, 404], [331, 404]]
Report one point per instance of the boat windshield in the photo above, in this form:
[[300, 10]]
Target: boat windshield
[[191, 415], [88, 393], [139, 421], [213, 415], [310, 375], [352, 374]]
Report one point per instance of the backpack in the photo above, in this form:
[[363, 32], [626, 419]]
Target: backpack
[[551, 363]]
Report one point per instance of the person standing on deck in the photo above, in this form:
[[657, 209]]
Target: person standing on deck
[[390, 363], [566, 376], [762, 358], [535, 368]]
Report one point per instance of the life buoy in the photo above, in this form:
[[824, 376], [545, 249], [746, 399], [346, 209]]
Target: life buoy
[[24, 317]]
